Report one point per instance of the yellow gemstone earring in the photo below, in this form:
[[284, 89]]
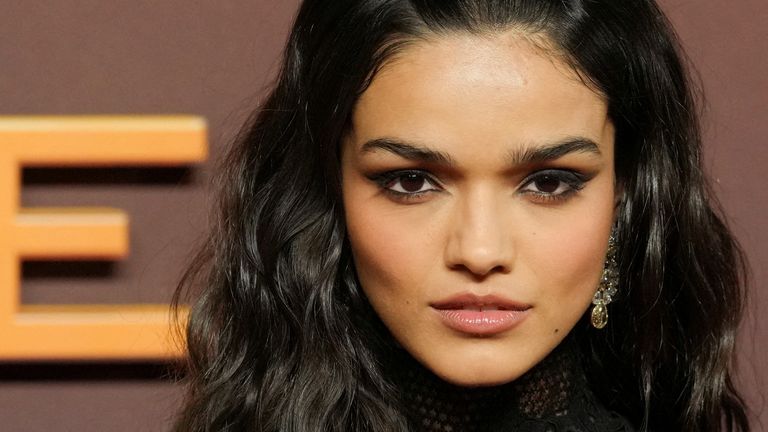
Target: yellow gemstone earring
[[608, 286]]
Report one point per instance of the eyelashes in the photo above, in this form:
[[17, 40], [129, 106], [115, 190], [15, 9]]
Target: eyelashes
[[545, 186], [554, 184], [406, 183]]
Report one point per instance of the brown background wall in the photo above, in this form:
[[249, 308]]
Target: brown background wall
[[214, 59]]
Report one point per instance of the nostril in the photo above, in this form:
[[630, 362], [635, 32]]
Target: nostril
[[481, 271], [479, 244]]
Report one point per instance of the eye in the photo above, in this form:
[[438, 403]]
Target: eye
[[406, 183], [410, 183], [553, 183]]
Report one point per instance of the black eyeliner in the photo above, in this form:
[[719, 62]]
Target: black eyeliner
[[384, 179], [575, 180]]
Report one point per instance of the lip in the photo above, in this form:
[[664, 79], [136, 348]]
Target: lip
[[480, 315]]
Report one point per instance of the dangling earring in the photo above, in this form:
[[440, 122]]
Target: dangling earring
[[607, 288]]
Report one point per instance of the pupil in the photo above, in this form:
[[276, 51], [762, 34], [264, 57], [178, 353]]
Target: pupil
[[547, 184], [412, 182]]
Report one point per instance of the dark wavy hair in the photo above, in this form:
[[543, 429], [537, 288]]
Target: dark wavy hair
[[280, 337]]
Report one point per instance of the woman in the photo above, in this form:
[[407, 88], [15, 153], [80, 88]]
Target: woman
[[468, 215]]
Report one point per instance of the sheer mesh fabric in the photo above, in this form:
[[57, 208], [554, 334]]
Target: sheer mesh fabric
[[552, 397]]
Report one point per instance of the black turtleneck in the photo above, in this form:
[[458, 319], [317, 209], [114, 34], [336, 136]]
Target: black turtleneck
[[552, 397]]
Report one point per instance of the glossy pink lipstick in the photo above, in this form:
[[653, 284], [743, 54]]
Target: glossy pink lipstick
[[480, 315]]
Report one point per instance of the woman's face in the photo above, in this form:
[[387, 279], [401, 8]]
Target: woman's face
[[478, 189]]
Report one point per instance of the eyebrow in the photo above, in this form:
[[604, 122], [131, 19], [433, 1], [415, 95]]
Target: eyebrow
[[407, 150], [548, 152], [527, 155]]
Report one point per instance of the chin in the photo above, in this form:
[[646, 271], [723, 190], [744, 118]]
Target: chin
[[472, 372], [478, 378]]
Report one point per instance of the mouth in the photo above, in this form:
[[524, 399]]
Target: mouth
[[479, 303], [480, 315]]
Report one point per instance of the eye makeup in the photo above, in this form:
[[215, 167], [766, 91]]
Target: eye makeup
[[554, 185], [404, 185], [542, 186]]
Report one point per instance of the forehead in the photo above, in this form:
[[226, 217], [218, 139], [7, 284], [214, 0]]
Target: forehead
[[492, 89]]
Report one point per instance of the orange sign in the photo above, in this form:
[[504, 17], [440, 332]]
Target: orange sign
[[56, 332]]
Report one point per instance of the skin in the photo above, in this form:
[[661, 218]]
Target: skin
[[478, 224]]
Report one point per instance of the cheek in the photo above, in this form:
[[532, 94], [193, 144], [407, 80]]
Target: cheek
[[377, 251], [393, 250], [573, 253], [567, 259]]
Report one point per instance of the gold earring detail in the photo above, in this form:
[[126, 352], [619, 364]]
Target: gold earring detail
[[608, 286]]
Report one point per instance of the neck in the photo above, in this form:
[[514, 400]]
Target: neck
[[547, 390]]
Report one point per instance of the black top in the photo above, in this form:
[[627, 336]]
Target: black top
[[552, 397]]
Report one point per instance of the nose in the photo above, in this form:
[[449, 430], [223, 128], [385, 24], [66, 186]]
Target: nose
[[480, 240]]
